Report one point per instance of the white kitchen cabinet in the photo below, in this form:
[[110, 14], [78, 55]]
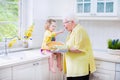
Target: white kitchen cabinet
[[117, 76], [97, 7], [85, 9], [24, 72], [102, 74], [42, 70], [5, 74], [32, 71], [105, 71]]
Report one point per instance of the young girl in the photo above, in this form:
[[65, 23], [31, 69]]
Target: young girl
[[49, 36]]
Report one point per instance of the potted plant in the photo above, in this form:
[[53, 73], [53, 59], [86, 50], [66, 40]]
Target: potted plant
[[114, 46]]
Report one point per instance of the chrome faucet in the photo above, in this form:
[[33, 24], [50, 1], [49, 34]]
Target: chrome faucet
[[3, 50], [6, 52]]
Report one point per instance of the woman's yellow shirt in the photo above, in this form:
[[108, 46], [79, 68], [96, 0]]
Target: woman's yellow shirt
[[78, 64]]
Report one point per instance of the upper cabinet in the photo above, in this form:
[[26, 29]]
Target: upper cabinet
[[97, 8], [85, 9]]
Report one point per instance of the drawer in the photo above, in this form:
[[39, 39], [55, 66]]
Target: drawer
[[105, 65], [101, 74], [6, 70], [117, 67], [117, 77], [5, 74]]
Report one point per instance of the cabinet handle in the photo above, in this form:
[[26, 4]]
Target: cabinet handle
[[98, 64], [93, 14], [37, 63], [33, 64]]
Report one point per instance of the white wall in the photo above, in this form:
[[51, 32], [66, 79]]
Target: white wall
[[44, 8], [27, 13], [40, 10], [60, 7], [99, 30]]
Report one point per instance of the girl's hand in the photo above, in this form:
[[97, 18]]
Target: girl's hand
[[61, 31]]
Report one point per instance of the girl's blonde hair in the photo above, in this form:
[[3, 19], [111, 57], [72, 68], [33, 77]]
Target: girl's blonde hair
[[48, 23]]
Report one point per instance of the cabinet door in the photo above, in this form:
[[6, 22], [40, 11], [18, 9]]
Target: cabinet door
[[42, 70], [5, 74], [83, 7], [24, 72], [96, 7], [106, 7], [102, 74], [117, 76], [105, 65]]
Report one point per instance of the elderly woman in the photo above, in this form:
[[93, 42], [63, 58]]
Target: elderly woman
[[78, 62]]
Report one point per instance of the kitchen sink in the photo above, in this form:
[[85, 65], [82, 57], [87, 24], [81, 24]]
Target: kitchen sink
[[9, 58], [17, 56], [12, 56]]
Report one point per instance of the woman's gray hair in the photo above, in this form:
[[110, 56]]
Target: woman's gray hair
[[71, 17]]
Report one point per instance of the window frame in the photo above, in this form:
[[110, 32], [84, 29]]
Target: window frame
[[21, 29]]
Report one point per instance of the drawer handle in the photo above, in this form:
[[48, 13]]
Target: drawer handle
[[37, 63], [33, 64], [98, 64]]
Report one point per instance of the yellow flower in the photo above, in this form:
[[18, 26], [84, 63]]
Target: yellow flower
[[12, 42], [28, 33]]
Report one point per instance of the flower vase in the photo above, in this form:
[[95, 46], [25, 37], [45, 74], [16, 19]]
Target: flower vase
[[25, 43], [30, 43]]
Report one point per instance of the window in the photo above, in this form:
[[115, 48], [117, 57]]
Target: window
[[9, 20]]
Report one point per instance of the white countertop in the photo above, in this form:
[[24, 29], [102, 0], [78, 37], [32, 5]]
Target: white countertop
[[106, 56], [22, 57]]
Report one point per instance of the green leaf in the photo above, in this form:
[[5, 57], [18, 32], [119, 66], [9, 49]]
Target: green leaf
[[114, 44]]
